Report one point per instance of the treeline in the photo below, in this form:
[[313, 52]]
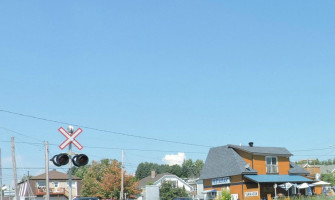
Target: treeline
[[318, 162], [189, 169], [325, 162]]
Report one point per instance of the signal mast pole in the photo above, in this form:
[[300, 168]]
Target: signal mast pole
[[14, 169], [121, 196], [70, 129], [47, 195]]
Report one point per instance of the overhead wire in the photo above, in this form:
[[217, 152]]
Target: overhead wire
[[95, 147], [102, 130]]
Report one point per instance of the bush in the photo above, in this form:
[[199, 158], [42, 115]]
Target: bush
[[225, 195]]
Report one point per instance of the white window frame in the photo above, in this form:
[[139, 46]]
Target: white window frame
[[276, 166], [56, 184]]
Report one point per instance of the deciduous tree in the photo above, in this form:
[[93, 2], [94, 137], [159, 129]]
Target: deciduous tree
[[168, 191], [103, 179]]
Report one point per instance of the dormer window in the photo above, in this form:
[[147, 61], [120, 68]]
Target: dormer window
[[271, 164]]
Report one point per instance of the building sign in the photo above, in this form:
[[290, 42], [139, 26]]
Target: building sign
[[251, 194], [220, 181]]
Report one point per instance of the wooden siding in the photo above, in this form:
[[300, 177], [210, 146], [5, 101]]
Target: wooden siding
[[258, 162], [313, 170], [237, 186]]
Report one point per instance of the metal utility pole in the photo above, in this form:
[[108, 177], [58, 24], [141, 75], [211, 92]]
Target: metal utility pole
[[14, 169], [47, 195], [121, 196], [1, 175], [70, 129]]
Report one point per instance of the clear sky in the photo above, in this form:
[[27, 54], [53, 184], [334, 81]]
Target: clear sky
[[207, 73]]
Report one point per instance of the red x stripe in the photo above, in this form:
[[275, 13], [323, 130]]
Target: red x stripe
[[70, 138]]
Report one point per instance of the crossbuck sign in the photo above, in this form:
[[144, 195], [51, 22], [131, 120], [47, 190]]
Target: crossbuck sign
[[70, 138]]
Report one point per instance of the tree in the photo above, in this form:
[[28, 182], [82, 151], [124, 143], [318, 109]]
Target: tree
[[328, 178], [192, 169], [225, 195], [176, 170], [25, 178], [103, 179], [79, 171], [144, 169], [189, 169], [168, 191]]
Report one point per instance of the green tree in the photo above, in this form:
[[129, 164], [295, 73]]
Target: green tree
[[144, 169], [176, 170], [189, 169], [225, 195], [79, 171], [168, 191], [102, 179], [328, 178], [317, 162], [192, 169], [25, 178]]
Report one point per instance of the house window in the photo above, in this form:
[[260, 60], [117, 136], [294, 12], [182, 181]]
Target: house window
[[74, 184], [271, 164], [56, 184], [40, 184]]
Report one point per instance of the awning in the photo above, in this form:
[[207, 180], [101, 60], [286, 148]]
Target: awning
[[208, 191], [277, 178], [321, 183], [303, 186]]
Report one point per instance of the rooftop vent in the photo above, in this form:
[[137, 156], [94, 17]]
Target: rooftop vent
[[251, 144]]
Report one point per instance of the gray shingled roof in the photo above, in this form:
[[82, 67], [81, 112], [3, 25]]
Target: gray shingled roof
[[295, 169], [224, 161], [54, 175], [326, 169], [143, 182], [278, 151]]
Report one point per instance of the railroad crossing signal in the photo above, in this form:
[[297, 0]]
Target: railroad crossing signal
[[70, 138], [63, 159], [60, 159], [80, 160]]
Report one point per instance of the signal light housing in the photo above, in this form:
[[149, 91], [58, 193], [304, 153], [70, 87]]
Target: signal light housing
[[60, 159], [80, 160]]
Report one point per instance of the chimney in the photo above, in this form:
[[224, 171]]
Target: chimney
[[251, 144], [153, 174]]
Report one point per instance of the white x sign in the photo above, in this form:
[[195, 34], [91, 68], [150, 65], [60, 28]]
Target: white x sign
[[70, 138]]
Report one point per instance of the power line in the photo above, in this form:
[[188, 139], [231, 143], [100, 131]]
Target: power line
[[112, 148], [25, 168], [28, 136], [102, 130], [312, 149]]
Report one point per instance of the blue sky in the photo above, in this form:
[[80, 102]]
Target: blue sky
[[201, 72]]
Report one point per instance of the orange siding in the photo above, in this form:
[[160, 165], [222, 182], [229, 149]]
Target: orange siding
[[318, 189], [207, 183], [251, 187], [258, 163], [283, 165], [236, 189]]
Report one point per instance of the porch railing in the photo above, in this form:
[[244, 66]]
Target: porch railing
[[52, 191]]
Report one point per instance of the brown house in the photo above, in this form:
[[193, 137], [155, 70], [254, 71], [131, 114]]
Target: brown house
[[58, 186], [250, 173]]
